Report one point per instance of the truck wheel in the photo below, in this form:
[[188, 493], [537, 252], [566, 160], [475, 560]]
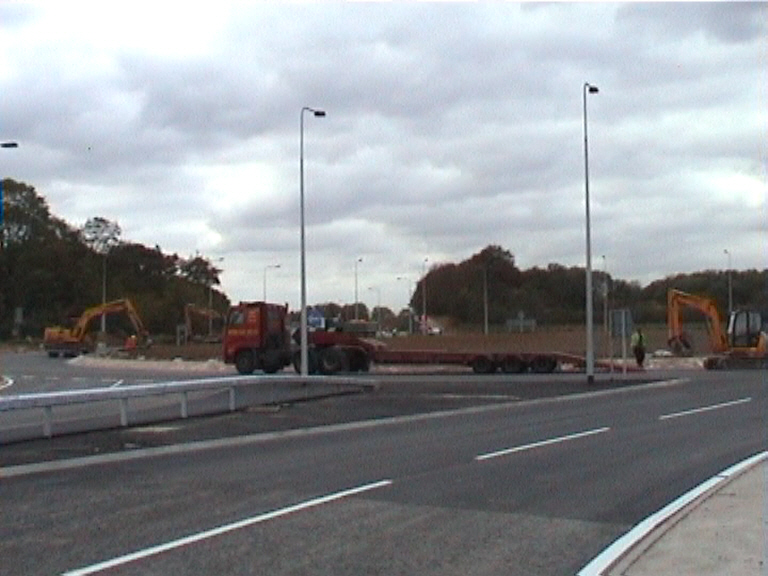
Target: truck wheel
[[513, 365], [244, 362], [483, 365], [271, 363], [543, 364], [333, 360], [311, 361]]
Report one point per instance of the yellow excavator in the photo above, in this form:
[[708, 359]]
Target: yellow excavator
[[209, 324], [742, 345], [70, 342]]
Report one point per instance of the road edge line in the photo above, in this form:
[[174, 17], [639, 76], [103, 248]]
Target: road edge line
[[608, 558]]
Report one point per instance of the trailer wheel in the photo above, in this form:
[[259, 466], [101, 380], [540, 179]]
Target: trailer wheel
[[483, 365], [244, 362], [333, 360], [543, 364], [359, 361], [53, 354], [513, 365]]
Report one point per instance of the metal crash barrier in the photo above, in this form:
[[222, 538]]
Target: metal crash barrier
[[279, 389]]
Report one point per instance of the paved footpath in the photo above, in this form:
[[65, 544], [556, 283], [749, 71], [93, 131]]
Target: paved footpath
[[722, 532]]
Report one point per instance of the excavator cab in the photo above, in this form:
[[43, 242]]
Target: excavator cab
[[745, 330]]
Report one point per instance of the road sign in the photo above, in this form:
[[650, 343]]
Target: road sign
[[621, 323]]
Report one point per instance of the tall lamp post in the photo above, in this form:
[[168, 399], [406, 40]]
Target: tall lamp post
[[424, 297], [4, 145], [267, 267], [210, 298], [304, 335], [378, 307], [588, 89], [357, 261], [485, 299], [2, 234], [408, 303], [730, 283]]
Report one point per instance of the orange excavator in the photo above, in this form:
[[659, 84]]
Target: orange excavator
[[742, 345], [213, 323], [70, 342]]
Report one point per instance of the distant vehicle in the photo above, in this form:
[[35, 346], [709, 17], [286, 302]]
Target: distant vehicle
[[742, 345], [67, 342], [256, 337]]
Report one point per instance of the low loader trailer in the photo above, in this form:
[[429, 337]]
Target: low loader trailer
[[256, 338], [334, 352]]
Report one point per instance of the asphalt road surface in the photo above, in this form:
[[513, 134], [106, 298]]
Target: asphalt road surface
[[417, 478]]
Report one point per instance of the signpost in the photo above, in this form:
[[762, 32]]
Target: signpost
[[621, 326]]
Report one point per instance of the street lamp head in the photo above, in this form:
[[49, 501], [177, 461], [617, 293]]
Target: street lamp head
[[9, 145], [591, 89], [319, 113]]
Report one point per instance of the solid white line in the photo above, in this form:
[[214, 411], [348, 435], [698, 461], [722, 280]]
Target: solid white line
[[194, 538], [705, 409], [540, 443], [608, 557]]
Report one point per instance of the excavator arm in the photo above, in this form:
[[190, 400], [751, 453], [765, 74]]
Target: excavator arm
[[677, 339], [58, 340], [114, 307]]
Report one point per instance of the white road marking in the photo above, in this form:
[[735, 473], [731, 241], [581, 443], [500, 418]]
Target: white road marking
[[525, 447], [5, 382], [117, 383], [705, 409], [600, 565], [200, 536]]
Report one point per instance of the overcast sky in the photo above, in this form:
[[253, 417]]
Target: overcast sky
[[449, 127]]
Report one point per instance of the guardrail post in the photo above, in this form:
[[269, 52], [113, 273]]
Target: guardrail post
[[47, 421], [232, 399], [123, 412], [184, 404]]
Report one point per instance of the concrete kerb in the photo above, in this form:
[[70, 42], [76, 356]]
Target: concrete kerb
[[628, 548]]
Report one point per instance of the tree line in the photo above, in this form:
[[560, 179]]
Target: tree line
[[51, 271], [556, 294]]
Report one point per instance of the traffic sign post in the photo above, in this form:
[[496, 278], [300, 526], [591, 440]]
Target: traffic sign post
[[621, 326]]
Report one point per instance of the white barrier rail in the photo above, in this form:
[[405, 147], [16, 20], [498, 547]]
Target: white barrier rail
[[47, 401]]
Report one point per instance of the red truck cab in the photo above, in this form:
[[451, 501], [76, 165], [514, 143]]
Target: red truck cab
[[256, 337]]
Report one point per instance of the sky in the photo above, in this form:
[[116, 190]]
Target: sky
[[449, 127]]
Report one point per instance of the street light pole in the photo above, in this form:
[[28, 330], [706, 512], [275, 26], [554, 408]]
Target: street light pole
[[304, 335], [730, 283], [267, 267], [356, 298], [210, 300], [424, 297], [590, 369], [485, 299], [408, 303], [378, 307], [2, 232]]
